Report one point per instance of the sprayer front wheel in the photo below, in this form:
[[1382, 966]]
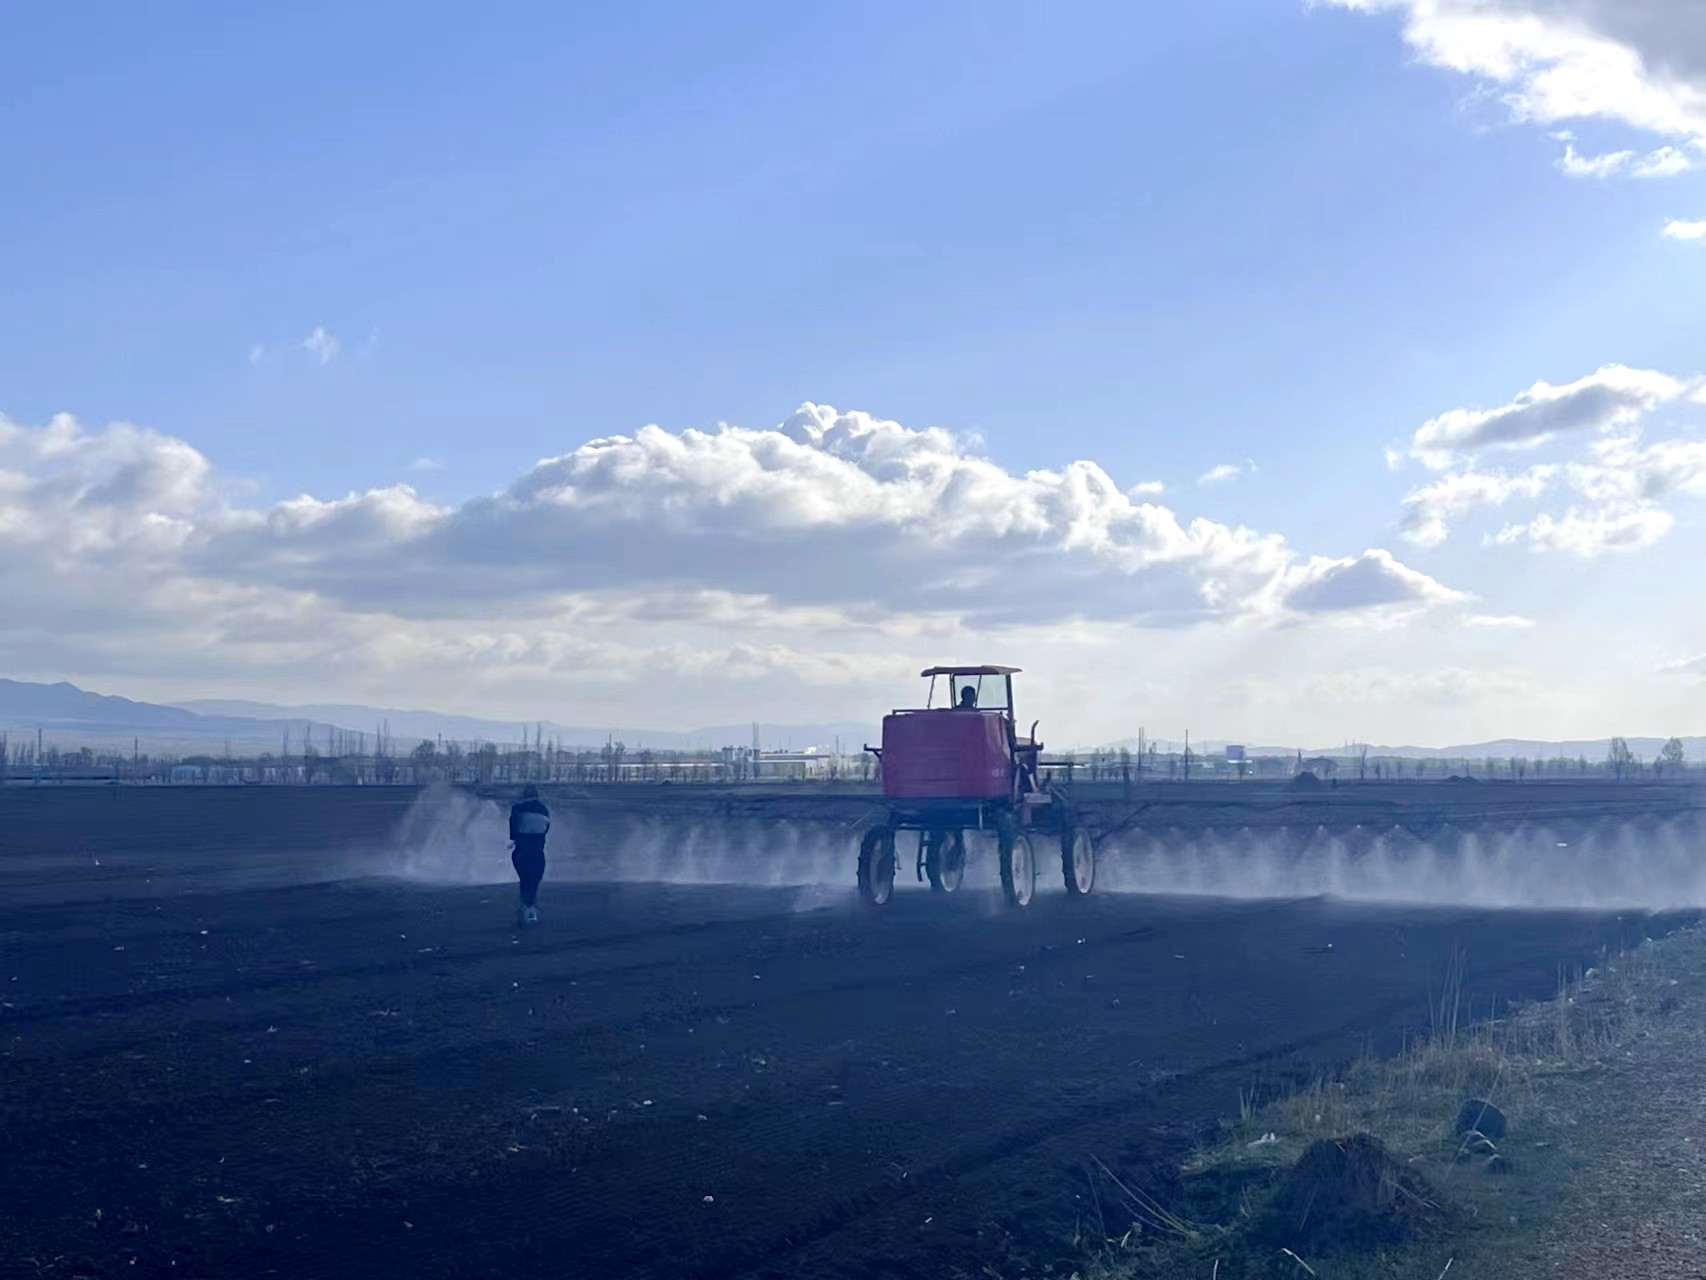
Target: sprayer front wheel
[[876, 866], [1018, 867], [945, 859], [1078, 861]]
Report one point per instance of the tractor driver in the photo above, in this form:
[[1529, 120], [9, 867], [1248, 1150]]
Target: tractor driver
[[968, 699]]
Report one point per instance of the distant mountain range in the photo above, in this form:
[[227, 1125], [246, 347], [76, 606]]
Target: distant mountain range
[[1594, 749], [419, 725], [62, 708], [65, 710]]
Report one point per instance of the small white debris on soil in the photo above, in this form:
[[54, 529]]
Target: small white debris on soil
[[710, 1199]]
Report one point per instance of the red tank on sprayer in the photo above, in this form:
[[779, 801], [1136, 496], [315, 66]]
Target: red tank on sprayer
[[959, 765]]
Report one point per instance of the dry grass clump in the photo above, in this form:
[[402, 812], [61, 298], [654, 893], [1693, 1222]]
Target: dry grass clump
[[1409, 1102]]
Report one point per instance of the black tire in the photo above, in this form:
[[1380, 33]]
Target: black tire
[[1077, 861], [945, 859], [877, 866], [1018, 867]]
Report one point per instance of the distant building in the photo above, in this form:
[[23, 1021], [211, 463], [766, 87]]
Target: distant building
[[813, 762]]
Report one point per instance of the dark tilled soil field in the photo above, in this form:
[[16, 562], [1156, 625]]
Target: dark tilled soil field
[[222, 1057]]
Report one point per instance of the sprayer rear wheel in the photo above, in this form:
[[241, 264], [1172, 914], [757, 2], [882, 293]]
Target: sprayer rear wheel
[[1018, 867], [1077, 861], [877, 866], [945, 859]]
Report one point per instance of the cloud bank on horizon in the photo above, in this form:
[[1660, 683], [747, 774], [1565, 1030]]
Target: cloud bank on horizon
[[122, 540]]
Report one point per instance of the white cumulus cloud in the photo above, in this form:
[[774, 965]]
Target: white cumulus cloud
[[322, 345], [1663, 162], [1226, 471], [1621, 484], [1614, 396], [1638, 63], [1499, 622], [1430, 510], [1590, 533], [1677, 229], [1373, 580], [1624, 470], [124, 549]]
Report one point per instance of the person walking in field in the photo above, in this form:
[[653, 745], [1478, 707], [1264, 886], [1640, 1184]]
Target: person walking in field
[[529, 821]]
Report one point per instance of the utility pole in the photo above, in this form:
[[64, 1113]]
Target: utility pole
[[1187, 755]]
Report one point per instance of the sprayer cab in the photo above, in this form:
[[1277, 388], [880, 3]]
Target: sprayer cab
[[959, 746]]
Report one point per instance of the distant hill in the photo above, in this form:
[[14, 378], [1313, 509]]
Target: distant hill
[[63, 710], [418, 725], [1594, 749], [62, 707]]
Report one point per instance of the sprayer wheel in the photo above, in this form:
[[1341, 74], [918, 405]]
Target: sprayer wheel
[[1077, 861], [945, 859], [1018, 867], [877, 866]]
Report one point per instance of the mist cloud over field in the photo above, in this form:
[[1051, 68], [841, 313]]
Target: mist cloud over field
[[453, 838]]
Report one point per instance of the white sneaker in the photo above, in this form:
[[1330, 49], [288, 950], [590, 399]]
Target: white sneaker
[[533, 915]]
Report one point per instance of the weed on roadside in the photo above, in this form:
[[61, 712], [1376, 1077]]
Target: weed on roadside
[[1479, 1191]]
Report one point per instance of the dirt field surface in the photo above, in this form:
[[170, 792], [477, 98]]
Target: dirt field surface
[[229, 1049]]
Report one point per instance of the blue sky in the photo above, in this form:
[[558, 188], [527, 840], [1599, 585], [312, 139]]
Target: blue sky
[[1256, 234]]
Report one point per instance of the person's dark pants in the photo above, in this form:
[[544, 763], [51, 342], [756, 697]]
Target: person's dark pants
[[528, 859]]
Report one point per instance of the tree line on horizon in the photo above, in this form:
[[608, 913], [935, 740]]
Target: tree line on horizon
[[360, 759]]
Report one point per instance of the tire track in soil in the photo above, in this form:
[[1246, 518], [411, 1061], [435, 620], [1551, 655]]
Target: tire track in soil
[[577, 1232], [501, 1191], [578, 1228], [910, 978], [1047, 1128]]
